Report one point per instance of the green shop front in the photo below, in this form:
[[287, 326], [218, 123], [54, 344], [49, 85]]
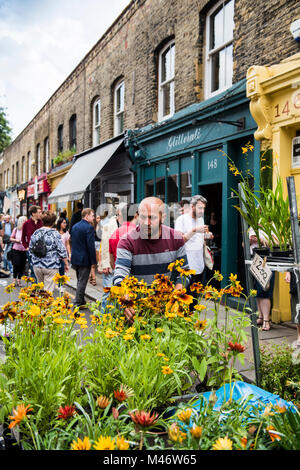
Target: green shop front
[[188, 154]]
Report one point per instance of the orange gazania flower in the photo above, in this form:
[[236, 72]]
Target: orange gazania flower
[[235, 347], [66, 412], [123, 393], [196, 431], [185, 415], [19, 414], [175, 434], [81, 445], [143, 418], [103, 401]]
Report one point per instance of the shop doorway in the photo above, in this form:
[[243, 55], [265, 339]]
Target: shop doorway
[[213, 218]]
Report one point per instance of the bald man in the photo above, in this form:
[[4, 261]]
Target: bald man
[[149, 248]]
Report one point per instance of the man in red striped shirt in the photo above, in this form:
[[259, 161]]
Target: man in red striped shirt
[[149, 248]]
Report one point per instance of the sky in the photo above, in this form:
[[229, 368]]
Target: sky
[[41, 42]]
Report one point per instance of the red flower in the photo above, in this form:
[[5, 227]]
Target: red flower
[[123, 393], [236, 347], [66, 412], [143, 418]]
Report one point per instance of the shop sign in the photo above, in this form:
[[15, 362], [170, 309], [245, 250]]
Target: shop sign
[[21, 194], [111, 195], [38, 187], [183, 139], [288, 106]]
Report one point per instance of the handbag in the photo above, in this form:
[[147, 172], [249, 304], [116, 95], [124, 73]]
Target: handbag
[[208, 257]]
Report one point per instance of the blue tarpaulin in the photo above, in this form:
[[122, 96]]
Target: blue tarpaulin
[[253, 395]]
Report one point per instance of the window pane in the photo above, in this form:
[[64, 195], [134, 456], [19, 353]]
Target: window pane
[[160, 188], [228, 21], [120, 98], [149, 188], [215, 66], [217, 29], [167, 99], [120, 123], [229, 65], [186, 185], [168, 64], [172, 188]]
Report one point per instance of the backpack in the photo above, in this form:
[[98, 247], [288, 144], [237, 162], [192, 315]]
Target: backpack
[[39, 247]]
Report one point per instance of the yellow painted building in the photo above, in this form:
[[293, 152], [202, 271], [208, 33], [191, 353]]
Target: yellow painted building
[[274, 94], [54, 178]]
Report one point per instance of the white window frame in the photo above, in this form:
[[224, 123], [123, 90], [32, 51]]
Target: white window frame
[[96, 122], [38, 158], [46, 142], [119, 113], [210, 53], [162, 84]]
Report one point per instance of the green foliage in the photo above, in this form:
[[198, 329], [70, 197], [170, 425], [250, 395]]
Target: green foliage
[[64, 157], [5, 131], [277, 368]]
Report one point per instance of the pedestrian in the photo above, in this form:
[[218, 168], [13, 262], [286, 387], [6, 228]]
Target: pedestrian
[[149, 248], [83, 253], [109, 225], [7, 228], [46, 265], [290, 278], [96, 225], [194, 231], [126, 220], [61, 226], [76, 217], [18, 251], [263, 296], [63, 215], [29, 227], [184, 206]]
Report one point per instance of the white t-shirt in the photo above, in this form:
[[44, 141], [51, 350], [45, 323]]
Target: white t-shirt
[[194, 246]]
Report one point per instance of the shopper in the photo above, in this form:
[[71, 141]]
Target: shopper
[[29, 227], [45, 267], [7, 228], [149, 249], [61, 226], [18, 251], [76, 217], [83, 253]]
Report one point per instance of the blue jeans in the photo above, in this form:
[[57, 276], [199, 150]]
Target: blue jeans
[[32, 274], [7, 265], [106, 282]]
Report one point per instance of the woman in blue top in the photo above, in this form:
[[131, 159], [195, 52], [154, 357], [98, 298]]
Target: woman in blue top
[[45, 267]]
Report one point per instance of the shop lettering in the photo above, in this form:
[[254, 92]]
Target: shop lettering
[[288, 106], [184, 138]]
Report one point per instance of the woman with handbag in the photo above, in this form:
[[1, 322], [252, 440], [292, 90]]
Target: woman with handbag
[[18, 252]]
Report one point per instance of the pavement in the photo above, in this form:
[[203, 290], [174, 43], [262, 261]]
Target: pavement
[[279, 333]]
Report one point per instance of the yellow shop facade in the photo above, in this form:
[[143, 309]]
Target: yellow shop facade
[[274, 94]]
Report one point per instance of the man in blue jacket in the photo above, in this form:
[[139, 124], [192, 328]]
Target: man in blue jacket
[[83, 255]]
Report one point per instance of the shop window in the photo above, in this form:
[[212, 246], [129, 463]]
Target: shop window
[[166, 80], [186, 185], [219, 50], [96, 122], [38, 159], [149, 188], [72, 133], [119, 102], [60, 140]]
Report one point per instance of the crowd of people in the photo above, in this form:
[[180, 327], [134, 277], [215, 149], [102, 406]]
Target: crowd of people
[[117, 244]]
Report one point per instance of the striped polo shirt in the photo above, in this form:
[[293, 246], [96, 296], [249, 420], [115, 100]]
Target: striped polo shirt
[[143, 258]]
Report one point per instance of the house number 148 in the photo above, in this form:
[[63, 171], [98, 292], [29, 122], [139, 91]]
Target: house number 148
[[212, 164]]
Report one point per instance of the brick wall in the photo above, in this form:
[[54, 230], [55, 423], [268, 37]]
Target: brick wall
[[129, 49]]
